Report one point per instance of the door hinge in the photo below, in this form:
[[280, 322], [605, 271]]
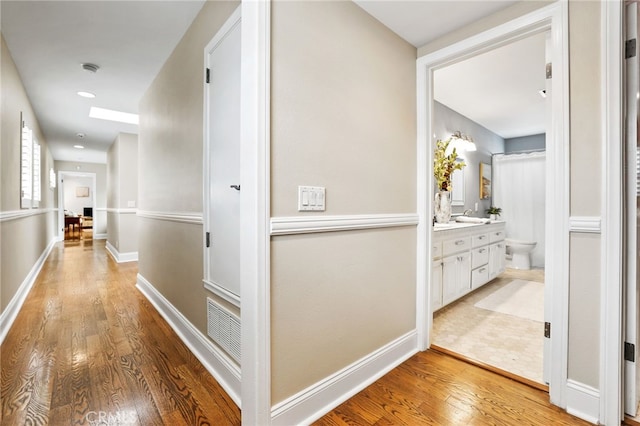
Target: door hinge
[[549, 70], [208, 239], [208, 72], [630, 48], [547, 330], [629, 352]]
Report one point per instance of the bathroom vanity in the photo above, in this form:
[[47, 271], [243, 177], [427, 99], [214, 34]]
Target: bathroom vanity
[[465, 256]]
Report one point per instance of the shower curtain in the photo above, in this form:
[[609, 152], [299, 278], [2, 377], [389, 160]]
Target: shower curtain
[[519, 189]]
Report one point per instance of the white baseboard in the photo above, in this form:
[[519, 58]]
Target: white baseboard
[[121, 257], [214, 360], [318, 399], [8, 316], [99, 236], [583, 401]]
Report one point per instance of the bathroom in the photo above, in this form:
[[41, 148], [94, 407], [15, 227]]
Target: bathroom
[[510, 159]]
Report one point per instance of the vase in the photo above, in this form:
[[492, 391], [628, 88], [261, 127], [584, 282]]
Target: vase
[[442, 206]]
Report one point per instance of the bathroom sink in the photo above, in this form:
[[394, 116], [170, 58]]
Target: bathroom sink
[[467, 219], [447, 225]]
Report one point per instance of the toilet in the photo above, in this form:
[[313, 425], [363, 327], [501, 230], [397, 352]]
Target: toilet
[[520, 252]]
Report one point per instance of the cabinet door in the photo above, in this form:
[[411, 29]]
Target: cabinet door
[[449, 279], [496, 259], [463, 270], [436, 285]]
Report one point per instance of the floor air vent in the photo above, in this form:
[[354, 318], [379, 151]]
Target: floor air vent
[[224, 328]]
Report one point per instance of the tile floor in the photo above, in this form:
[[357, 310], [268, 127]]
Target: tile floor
[[505, 341]]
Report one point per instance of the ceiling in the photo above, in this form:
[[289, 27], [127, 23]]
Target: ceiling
[[131, 40]]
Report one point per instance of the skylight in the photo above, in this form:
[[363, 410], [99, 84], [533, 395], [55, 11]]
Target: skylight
[[109, 114]]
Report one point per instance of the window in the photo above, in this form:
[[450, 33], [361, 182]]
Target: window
[[30, 162]]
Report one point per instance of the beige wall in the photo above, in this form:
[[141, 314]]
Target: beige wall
[[170, 169], [343, 117], [586, 177], [100, 170], [22, 240], [122, 193]]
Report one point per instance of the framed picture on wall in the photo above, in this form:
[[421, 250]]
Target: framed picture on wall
[[485, 181], [82, 191]]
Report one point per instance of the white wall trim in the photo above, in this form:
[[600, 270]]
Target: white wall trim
[[10, 313], [583, 401], [553, 18], [131, 256], [312, 224], [121, 211], [19, 214], [313, 402], [184, 217], [95, 237], [255, 173], [585, 224], [222, 292], [221, 367], [611, 282]]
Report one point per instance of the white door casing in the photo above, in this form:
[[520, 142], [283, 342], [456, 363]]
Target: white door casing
[[222, 162], [631, 217], [551, 18]]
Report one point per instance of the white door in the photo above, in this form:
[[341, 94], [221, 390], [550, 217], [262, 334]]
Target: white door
[[222, 190], [631, 220]]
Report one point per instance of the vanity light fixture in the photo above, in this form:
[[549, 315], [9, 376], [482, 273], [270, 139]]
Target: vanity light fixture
[[462, 142]]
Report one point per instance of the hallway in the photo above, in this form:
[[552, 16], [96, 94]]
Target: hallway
[[88, 347]]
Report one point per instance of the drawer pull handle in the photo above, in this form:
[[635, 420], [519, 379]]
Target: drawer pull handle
[[481, 237], [459, 242], [482, 270], [482, 250]]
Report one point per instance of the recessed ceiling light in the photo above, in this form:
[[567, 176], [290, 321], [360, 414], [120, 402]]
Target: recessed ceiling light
[[86, 95], [78, 146], [109, 114]]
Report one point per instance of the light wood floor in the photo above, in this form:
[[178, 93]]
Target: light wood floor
[[86, 343]]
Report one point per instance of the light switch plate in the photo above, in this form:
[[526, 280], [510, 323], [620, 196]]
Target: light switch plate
[[311, 198]]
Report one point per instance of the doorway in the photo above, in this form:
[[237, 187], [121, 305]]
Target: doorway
[[553, 19], [76, 204], [498, 99]]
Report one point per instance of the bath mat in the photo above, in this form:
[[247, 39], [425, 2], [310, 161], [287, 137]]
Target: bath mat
[[524, 299]]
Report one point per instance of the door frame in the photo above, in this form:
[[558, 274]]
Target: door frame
[[61, 175], [611, 290], [553, 18]]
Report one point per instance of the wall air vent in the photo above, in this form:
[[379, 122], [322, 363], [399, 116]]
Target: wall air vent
[[224, 328]]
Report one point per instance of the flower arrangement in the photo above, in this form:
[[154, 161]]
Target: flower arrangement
[[444, 165]]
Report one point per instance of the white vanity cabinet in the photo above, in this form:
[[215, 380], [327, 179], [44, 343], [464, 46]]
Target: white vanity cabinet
[[464, 257]]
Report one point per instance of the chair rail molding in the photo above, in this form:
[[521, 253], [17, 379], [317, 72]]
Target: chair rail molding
[[194, 218], [312, 224]]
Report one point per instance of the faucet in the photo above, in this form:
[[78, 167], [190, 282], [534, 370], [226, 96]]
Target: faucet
[[467, 212]]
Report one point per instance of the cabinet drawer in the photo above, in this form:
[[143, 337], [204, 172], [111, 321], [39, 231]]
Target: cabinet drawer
[[456, 245], [479, 276], [479, 256], [436, 250], [496, 236], [479, 240]]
